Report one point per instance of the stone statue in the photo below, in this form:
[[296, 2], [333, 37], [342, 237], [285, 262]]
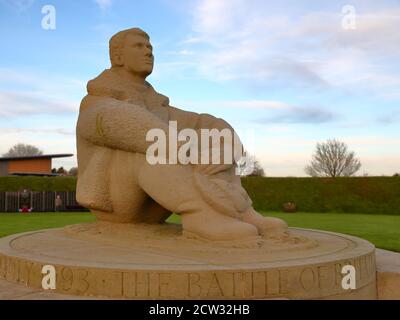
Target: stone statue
[[118, 184]]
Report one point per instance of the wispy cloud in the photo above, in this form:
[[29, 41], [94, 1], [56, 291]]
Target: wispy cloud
[[41, 131], [19, 5], [291, 49], [25, 93], [301, 115], [278, 111], [183, 52], [389, 118], [28, 103], [104, 4], [242, 104], [372, 140], [217, 16]]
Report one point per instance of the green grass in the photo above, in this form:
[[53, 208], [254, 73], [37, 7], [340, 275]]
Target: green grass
[[11, 223], [381, 230]]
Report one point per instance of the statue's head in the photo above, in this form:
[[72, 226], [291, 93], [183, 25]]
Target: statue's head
[[131, 49]]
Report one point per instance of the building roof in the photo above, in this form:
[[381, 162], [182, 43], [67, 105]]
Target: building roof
[[43, 156]]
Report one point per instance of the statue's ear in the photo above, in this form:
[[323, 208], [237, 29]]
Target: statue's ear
[[118, 57]]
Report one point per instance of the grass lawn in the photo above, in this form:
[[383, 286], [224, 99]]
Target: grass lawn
[[381, 230], [11, 223]]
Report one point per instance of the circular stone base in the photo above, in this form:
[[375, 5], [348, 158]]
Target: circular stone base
[[157, 262]]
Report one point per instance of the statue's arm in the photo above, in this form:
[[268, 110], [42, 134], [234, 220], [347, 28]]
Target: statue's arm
[[196, 121], [117, 124], [188, 119]]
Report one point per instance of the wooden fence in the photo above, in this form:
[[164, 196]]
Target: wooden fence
[[39, 201]]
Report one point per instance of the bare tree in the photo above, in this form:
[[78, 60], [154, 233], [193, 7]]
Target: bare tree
[[73, 171], [332, 159], [249, 166], [23, 150], [258, 170]]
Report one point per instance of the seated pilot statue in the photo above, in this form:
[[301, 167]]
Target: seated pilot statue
[[118, 184]]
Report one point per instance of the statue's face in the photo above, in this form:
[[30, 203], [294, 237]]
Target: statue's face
[[137, 55]]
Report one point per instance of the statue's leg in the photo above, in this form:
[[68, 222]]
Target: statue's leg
[[173, 188], [127, 198]]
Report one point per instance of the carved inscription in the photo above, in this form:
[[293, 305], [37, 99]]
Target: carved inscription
[[192, 285]]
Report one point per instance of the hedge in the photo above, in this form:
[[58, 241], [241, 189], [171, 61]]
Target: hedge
[[37, 183], [377, 195]]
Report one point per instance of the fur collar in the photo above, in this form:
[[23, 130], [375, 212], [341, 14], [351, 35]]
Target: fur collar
[[110, 84]]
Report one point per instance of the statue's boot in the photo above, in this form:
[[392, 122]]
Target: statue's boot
[[265, 225], [230, 199], [213, 226]]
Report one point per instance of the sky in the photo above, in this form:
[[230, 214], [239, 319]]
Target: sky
[[286, 74]]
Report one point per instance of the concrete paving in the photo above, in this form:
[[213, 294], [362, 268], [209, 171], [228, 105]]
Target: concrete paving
[[388, 274]]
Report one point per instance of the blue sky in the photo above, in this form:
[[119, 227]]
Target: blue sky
[[284, 72]]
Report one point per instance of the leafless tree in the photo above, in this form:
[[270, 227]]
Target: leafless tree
[[249, 166], [23, 150], [332, 159], [73, 171]]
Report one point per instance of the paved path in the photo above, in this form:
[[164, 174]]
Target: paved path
[[388, 276]]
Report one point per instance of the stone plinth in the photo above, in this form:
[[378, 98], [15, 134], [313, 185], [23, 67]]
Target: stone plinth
[[156, 262]]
